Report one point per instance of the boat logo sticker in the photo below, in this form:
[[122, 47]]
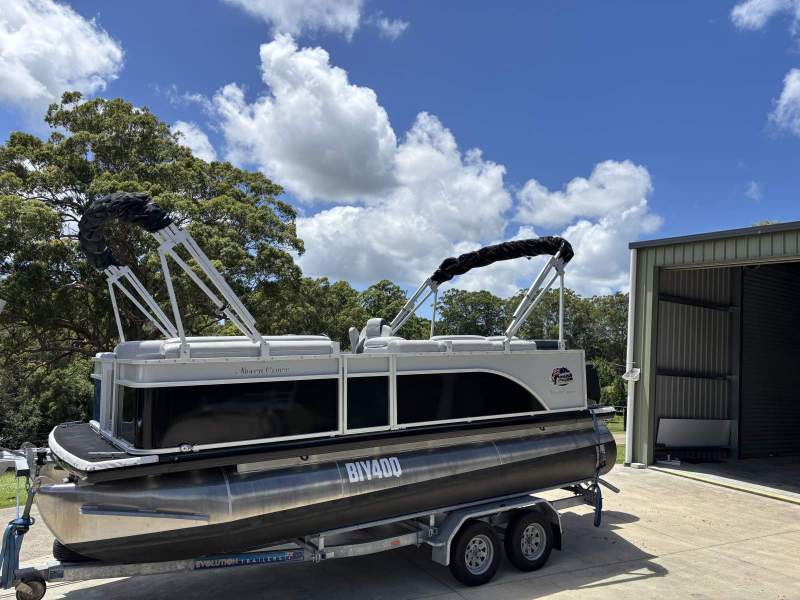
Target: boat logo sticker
[[367, 470], [561, 376]]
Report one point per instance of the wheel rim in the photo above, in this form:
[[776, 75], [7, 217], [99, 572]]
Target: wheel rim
[[533, 541], [479, 554]]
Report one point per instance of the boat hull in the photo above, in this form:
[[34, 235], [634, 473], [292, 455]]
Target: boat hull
[[223, 510]]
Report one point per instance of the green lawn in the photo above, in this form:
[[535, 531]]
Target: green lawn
[[8, 490], [620, 453], [616, 425]]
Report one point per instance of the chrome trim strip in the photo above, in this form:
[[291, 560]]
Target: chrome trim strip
[[111, 511]]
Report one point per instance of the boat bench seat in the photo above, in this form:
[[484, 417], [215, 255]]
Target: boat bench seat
[[444, 343], [228, 346]]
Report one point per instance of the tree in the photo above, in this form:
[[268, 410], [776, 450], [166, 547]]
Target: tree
[[471, 313], [59, 312], [384, 299]]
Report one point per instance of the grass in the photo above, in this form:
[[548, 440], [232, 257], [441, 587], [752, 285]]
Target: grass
[[620, 454], [8, 490], [616, 424]]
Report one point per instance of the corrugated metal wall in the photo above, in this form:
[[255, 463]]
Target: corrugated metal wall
[[770, 407], [673, 266], [693, 347]]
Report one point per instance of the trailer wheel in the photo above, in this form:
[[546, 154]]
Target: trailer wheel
[[33, 588], [529, 540], [475, 553]]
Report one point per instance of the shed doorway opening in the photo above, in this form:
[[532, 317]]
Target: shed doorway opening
[[728, 367]]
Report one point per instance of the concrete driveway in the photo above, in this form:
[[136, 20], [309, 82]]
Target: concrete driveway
[[662, 537]]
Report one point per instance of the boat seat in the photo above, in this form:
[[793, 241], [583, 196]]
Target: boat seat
[[228, 346], [394, 344]]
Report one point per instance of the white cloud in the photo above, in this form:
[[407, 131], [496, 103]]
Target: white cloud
[[442, 197], [754, 14], [402, 207], [602, 213], [753, 190], [195, 139], [316, 133], [609, 189], [391, 28], [47, 48], [786, 114], [297, 17]]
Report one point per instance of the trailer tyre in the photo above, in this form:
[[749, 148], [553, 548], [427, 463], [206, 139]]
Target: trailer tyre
[[31, 589], [475, 553], [529, 540]]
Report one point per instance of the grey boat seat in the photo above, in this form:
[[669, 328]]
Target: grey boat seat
[[445, 343], [228, 346]]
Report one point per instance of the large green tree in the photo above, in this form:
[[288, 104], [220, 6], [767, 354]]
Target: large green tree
[[58, 313]]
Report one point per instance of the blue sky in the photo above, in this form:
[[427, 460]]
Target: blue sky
[[688, 111]]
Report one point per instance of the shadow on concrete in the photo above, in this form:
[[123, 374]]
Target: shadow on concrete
[[591, 557]]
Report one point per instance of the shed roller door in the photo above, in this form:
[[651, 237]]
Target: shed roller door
[[770, 400]]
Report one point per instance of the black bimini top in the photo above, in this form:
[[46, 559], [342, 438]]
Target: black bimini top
[[130, 207], [487, 255]]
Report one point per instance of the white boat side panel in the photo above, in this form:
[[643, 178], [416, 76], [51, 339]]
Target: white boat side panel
[[232, 370], [360, 363], [535, 370]]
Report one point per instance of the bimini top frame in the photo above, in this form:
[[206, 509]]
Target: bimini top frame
[[560, 252], [137, 209]]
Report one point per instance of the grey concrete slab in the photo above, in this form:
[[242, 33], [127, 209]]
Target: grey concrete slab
[[663, 536]]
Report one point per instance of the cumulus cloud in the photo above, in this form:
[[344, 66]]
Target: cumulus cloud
[[401, 206], [315, 133], [786, 114], [602, 213], [295, 18], [47, 48], [442, 195], [195, 139], [391, 28], [754, 14], [610, 189]]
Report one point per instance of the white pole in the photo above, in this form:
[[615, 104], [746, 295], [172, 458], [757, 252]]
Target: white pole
[[433, 312], [561, 345], [629, 361]]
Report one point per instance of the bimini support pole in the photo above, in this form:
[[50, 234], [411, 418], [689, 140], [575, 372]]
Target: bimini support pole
[[409, 308], [535, 294], [231, 306], [115, 276], [561, 344], [433, 312]]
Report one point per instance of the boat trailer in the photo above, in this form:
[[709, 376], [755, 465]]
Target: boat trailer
[[463, 537]]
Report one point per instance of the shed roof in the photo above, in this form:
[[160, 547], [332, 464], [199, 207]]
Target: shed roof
[[718, 235]]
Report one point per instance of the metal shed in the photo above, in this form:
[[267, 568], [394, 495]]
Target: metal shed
[[714, 331]]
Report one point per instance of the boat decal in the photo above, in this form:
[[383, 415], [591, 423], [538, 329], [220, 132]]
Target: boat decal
[[379, 468], [561, 376]]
